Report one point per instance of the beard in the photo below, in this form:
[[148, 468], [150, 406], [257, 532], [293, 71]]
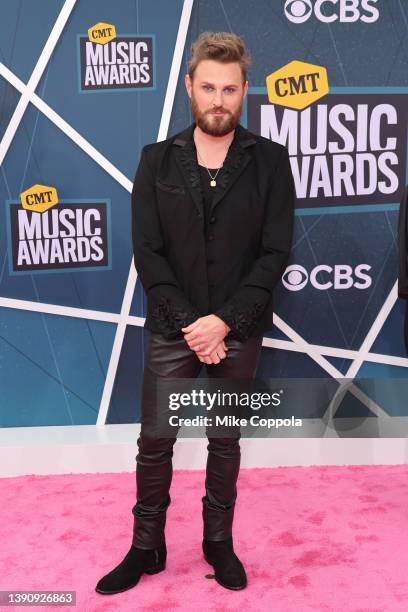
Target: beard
[[213, 125]]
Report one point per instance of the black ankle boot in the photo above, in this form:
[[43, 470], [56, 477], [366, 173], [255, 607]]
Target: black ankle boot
[[127, 574], [228, 569]]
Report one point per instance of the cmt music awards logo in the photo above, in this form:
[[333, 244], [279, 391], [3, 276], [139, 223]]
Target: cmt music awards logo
[[108, 61], [327, 11], [45, 234], [344, 147]]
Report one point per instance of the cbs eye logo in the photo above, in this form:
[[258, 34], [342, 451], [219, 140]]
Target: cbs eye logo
[[298, 11], [295, 278]]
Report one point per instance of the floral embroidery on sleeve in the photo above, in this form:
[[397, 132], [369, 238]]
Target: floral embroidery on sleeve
[[170, 318]]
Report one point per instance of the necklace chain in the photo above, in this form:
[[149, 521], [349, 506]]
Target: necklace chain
[[213, 182]]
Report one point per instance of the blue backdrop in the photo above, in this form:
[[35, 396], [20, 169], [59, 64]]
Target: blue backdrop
[[53, 364]]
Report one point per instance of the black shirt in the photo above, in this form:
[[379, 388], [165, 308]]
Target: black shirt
[[208, 191]]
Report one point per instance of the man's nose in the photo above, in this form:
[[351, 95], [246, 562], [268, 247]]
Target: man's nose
[[218, 98]]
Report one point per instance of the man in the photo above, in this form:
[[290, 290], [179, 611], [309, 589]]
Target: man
[[212, 227]]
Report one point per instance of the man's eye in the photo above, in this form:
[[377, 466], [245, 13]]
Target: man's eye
[[230, 90], [207, 87]]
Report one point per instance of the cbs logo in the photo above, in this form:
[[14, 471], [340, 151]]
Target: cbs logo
[[327, 11], [323, 277]]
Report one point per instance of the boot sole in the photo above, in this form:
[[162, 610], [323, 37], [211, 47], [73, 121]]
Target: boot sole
[[151, 571], [226, 586]]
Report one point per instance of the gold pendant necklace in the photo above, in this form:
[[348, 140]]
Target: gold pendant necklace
[[213, 182]]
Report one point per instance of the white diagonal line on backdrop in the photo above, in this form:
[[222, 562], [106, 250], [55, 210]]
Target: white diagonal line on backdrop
[[326, 365], [35, 77], [131, 282], [333, 351], [56, 309], [68, 130], [374, 331]]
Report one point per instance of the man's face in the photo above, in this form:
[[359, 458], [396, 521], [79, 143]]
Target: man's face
[[217, 93]]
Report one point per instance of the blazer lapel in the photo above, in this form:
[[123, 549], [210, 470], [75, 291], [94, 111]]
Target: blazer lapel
[[236, 161], [185, 155]]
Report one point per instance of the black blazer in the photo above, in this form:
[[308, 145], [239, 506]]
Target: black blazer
[[228, 266], [403, 258], [403, 246]]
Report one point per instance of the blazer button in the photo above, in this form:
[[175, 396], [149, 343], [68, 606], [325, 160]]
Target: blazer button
[[212, 219], [210, 237], [210, 261]]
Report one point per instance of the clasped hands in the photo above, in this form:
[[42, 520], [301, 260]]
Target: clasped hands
[[206, 337]]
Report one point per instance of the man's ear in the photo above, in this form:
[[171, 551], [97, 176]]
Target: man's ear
[[245, 88], [188, 84]]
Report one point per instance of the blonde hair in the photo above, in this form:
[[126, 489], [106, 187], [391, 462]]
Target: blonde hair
[[222, 47]]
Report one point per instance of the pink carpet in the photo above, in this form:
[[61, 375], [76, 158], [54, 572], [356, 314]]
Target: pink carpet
[[320, 538]]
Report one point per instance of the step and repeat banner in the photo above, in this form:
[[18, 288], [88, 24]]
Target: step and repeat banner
[[85, 84]]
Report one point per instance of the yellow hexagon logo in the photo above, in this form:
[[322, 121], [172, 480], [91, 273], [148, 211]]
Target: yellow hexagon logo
[[39, 198], [102, 33], [297, 85]]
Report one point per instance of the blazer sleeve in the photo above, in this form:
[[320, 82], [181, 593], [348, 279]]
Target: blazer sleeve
[[171, 309], [244, 308], [403, 247]]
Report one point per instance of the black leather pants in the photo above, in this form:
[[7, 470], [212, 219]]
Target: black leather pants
[[173, 358]]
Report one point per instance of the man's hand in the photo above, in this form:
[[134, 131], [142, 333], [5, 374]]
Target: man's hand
[[219, 353], [205, 334]]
